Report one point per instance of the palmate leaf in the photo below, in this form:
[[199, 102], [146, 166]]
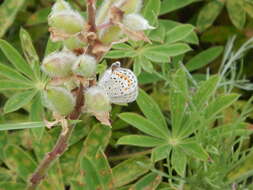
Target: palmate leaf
[[192, 38], [130, 170], [178, 161], [18, 100], [178, 99], [97, 139], [208, 14], [19, 161], [168, 6], [162, 53], [193, 149], [221, 103], [14, 85], [149, 181], [143, 125], [12, 74], [160, 152], [179, 33], [8, 12], [141, 141], [92, 179], [204, 58], [16, 59], [26, 125], [236, 12], [205, 91], [29, 51], [151, 110]]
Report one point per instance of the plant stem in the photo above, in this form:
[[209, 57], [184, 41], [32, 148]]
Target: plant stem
[[59, 148]]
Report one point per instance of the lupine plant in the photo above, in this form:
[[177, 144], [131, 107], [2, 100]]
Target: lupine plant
[[186, 131]]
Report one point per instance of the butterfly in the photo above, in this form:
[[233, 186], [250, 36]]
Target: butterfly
[[120, 84]]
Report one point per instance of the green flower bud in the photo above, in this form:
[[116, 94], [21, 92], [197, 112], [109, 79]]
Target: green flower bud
[[59, 100], [136, 22], [111, 35], [73, 43], [60, 5], [66, 22], [59, 64], [131, 6], [96, 100], [85, 66]]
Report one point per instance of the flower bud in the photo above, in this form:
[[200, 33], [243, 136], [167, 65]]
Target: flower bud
[[59, 100], [85, 66], [96, 100], [110, 35], [66, 22], [73, 43], [60, 5], [59, 64], [131, 6], [136, 22]]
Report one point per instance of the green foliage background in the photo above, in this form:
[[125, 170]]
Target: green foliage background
[[190, 127]]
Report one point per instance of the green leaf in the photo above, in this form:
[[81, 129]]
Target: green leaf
[[116, 54], [8, 12], [13, 85], [179, 33], [178, 161], [208, 14], [26, 125], [130, 170], [236, 13], [19, 161], [221, 103], [39, 17], [12, 186], [52, 46], [242, 169], [178, 99], [98, 138], [162, 53], [92, 180], [18, 100], [137, 67], [172, 5], [140, 140], [151, 11], [29, 51], [160, 152], [192, 38], [149, 181], [151, 110], [143, 125], [16, 59], [205, 57], [248, 7], [194, 150], [145, 64], [36, 114], [12, 74], [104, 169], [205, 91]]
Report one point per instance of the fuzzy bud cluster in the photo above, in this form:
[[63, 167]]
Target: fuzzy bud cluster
[[64, 66], [71, 67]]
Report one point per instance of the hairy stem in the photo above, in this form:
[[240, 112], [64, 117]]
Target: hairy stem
[[60, 147]]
